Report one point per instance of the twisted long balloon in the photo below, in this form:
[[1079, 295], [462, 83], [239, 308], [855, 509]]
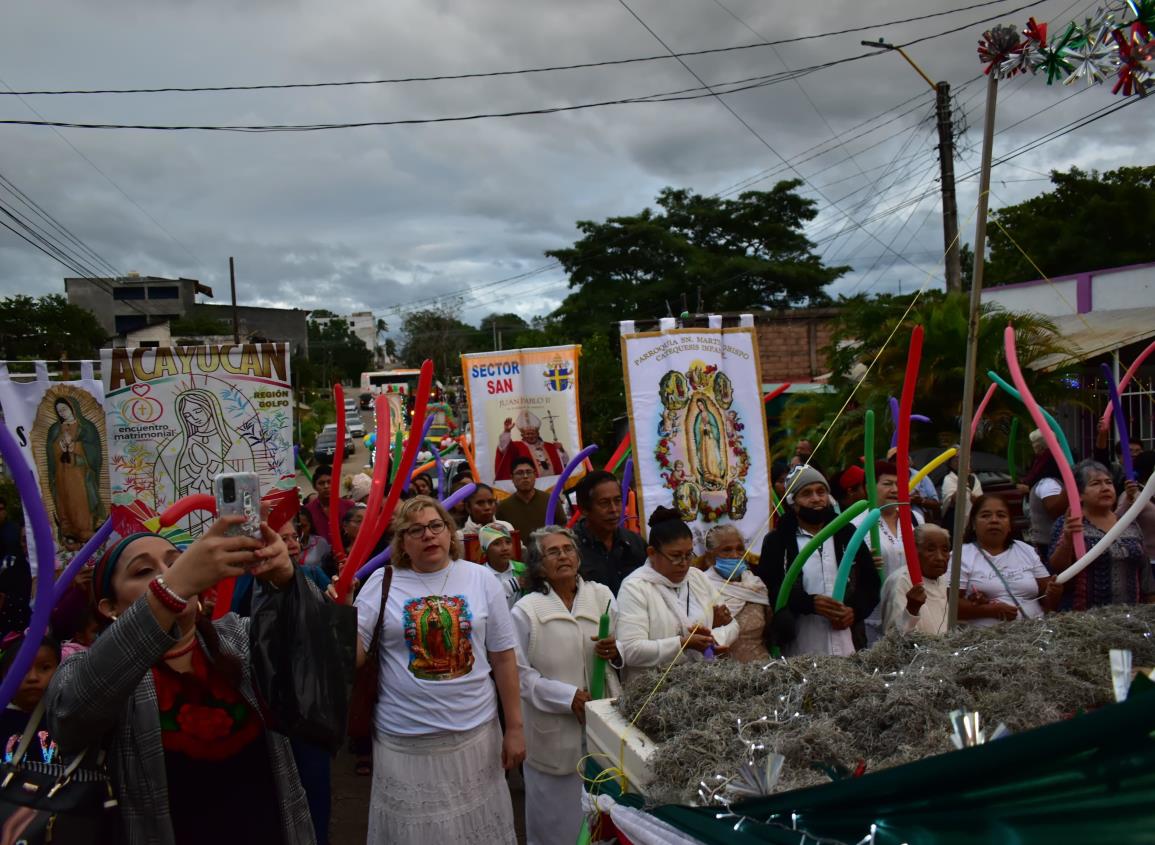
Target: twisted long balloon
[[871, 480], [978, 417], [1073, 501], [931, 466], [812, 546], [381, 474], [1126, 380], [868, 524], [1049, 424], [627, 480], [376, 562], [1104, 545], [82, 557], [575, 462], [905, 518], [1120, 424]]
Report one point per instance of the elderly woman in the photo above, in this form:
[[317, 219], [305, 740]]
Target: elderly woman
[[170, 695], [557, 627], [920, 607], [438, 751], [1002, 578], [744, 593], [1121, 576], [666, 607]]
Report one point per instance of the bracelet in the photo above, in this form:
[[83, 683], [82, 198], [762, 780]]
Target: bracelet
[[165, 595]]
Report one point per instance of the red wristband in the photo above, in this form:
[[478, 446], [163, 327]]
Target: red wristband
[[166, 596]]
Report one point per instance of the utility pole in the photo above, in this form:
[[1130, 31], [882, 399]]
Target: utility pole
[[946, 168], [233, 286]]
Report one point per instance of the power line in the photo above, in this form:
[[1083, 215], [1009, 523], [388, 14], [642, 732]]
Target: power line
[[500, 73]]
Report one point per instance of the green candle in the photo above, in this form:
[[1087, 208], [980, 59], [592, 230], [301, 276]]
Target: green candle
[[598, 675]]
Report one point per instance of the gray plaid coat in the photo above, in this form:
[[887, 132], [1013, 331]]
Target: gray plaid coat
[[106, 696]]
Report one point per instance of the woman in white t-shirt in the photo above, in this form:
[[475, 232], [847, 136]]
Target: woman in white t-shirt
[[1002, 578], [438, 751]]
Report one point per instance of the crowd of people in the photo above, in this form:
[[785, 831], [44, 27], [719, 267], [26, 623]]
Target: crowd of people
[[485, 627]]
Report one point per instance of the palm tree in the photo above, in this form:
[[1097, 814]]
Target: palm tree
[[862, 329]]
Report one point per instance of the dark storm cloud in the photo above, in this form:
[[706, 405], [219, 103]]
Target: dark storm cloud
[[388, 217]]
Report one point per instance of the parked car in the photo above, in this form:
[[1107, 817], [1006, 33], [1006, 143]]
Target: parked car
[[355, 425], [326, 445]]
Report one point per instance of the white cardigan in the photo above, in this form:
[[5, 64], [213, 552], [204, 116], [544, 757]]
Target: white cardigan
[[649, 634]]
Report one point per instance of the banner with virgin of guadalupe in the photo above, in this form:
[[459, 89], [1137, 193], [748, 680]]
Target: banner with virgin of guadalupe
[[177, 417], [699, 434], [59, 425]]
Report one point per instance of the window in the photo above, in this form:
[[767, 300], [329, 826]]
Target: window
[[128, 293], [163, 292], [130, 323], [150, 344]]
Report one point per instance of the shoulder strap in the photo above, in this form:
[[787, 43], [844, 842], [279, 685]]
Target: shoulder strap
[[1010, 592], [29, 732], [386, 583]]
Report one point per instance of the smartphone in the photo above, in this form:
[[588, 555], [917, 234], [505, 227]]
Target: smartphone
[[239, 494]]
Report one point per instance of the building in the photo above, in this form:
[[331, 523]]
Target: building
[[364, 326], [152, 311]]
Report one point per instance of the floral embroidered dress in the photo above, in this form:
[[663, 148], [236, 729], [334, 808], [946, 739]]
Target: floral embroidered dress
[[220, 782]]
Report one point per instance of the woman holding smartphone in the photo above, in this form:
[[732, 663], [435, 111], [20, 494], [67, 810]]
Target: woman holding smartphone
[[169, 695]]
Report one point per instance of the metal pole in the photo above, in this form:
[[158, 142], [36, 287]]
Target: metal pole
[[949, 205], [233, 286], [968, 406]]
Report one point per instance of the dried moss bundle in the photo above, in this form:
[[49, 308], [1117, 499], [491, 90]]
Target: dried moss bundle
[[884, 706]]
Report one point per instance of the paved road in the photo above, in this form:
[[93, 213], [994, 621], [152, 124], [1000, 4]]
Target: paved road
[[351, 791]]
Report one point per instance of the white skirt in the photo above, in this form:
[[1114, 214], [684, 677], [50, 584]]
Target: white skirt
[[440, 788], [553, 807]]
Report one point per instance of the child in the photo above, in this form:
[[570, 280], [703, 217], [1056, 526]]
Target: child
[[496, 540], [14, 719]]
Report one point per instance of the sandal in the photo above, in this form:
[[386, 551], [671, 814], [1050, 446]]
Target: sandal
[[363, 767]]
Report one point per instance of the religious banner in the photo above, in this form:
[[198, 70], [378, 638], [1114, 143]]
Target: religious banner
[[60, 427], [523, 403], [177, 417], [699, 436]]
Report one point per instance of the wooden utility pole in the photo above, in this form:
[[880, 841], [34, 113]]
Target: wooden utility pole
[[233, 286], [968, 403], [946, 167]]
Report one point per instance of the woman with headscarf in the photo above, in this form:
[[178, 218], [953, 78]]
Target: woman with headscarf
[[744, 593], [171, 697]]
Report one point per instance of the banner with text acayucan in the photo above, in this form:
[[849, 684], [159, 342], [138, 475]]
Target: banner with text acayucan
[[179, 416], [699, 434], [523, 403]]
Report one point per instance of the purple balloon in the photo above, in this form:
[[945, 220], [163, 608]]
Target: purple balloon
[[894, 420], [29, 492], [575, 462], [1120, 424], [409, 469], [82, 557], [627, 480], [375, 563], [440, 473]]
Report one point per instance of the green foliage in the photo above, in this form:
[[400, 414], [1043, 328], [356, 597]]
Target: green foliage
[[335, 352], [437, 334], [603, 395], [1088, 222], [695, 253], [48, 328], [863, 327]]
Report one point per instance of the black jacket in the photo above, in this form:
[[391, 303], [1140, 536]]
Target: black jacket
[[779, 549]]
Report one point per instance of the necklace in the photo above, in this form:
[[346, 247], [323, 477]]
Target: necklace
[[173, 655], [448, 569]]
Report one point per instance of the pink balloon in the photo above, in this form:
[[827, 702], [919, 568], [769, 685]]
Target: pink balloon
[[978, 417]]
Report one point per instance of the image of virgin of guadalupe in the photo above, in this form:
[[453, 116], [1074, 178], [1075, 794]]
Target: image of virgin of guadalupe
[[74, 456], [707, 446], [207, 446]]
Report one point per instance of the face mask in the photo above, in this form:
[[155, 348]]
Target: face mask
[[816, 516], [730, 567]]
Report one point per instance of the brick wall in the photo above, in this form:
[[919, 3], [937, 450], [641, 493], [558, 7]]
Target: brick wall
[[790, 343]]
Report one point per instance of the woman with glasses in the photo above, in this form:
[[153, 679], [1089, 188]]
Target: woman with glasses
[[438, 752], [666, 607], [557, 627]]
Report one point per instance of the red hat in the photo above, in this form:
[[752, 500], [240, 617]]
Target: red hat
[[852, 477]]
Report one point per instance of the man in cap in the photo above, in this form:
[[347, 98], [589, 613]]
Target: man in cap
[[549, 458], [813, 622]]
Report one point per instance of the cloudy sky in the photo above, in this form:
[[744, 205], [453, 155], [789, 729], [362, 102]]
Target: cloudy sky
[[386, 218]]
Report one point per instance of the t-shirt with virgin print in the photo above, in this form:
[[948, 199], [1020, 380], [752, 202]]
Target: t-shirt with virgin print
[[439, 626]]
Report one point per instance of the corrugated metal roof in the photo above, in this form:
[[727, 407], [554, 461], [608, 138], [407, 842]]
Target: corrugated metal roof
[[1098, 333]]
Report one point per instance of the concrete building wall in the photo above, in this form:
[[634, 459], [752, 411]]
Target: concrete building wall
[[281, 324], [1113, 289], [131, 303]]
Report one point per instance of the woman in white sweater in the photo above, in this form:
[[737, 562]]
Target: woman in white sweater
[[668, 609], [556, 625]]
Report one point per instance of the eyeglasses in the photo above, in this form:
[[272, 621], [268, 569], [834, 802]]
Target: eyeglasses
[[680, 560], [416, 532], [558, 552]]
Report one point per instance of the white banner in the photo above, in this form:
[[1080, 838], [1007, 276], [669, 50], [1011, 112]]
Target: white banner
[[699, 432], [60, 428], [523, 403], [179, 416]]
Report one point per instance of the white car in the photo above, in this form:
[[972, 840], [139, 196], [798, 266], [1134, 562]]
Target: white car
[[355, 426]]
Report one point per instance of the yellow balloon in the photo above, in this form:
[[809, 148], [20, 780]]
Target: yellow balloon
[[931, 467]]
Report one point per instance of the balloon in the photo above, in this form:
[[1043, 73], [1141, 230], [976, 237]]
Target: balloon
[[575, 462], [181, 508], [1126, 380], [905, 518], [871, 480], [37, 517], [978, 417], [619, 454], [335, 539], [441, 489], [627, 480], [1012, 444], [424, 437], [377, 562], [82, 557], [1104, 545], [1120, 424], [1073, 501], [381, 472], [467, 451], [870, 523], [931, 466], [815, 542], [304, 469], [1050, 422], [775, 393]]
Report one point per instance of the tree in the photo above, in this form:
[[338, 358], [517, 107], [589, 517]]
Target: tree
[[695, 253], [1088, 222], [499, 330], [437, 334], [864, 326], [339, 354], [48, 328], [603, 394]]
